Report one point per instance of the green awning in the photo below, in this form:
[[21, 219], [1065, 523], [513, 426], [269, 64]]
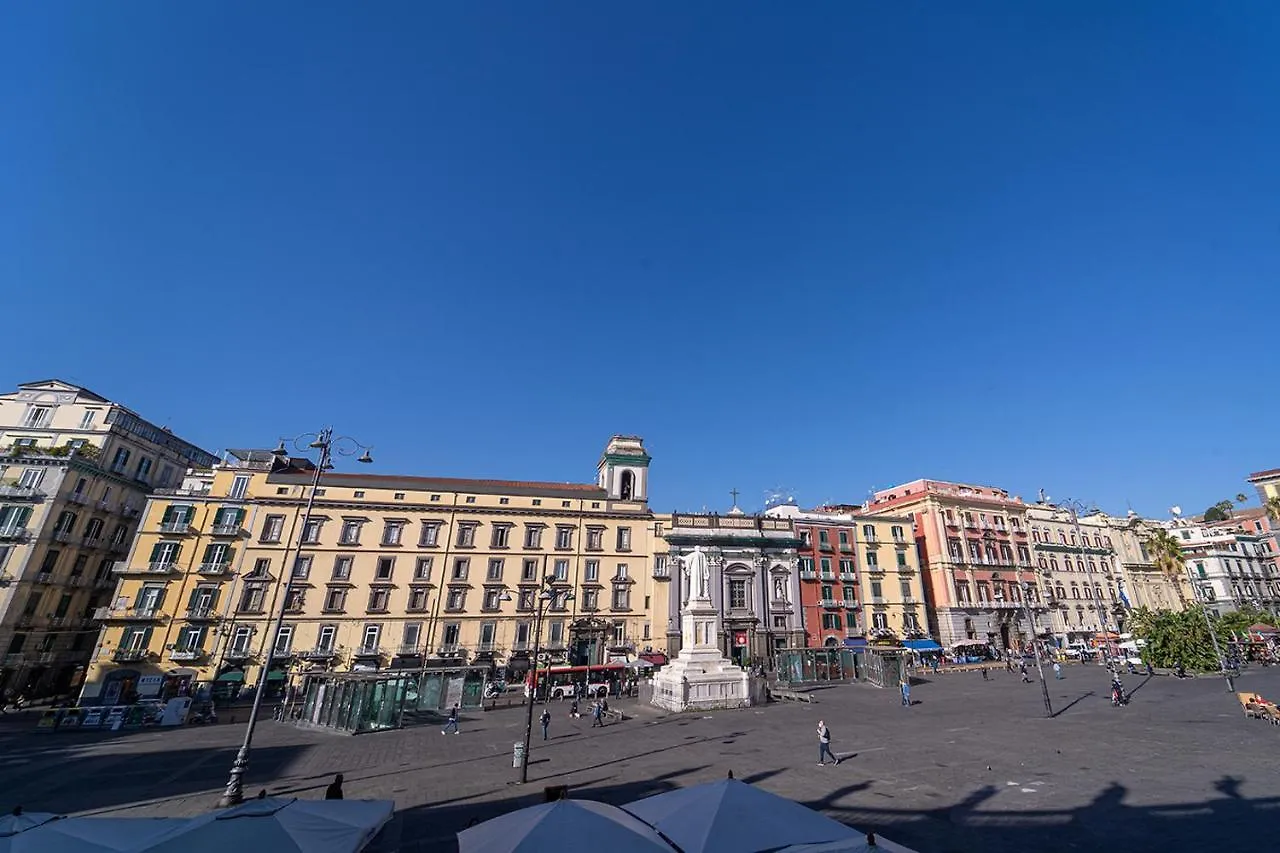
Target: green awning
[[231, 676], [275, 675]]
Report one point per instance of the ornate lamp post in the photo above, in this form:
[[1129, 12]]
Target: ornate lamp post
[[329, 445], [548, 597]]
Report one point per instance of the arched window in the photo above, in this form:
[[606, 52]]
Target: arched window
[[1079, 565], [628, 485], [1062, 592], [1088, 593]]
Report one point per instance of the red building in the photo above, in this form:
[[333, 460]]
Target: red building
[[830, 605]]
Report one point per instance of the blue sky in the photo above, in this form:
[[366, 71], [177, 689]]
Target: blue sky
[[826, 247]]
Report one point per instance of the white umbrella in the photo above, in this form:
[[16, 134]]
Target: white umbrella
[[89, 835], [280, 825], [563, 823], [730, 816]]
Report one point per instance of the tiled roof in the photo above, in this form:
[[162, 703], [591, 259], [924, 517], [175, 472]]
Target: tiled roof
[[1268, 474]]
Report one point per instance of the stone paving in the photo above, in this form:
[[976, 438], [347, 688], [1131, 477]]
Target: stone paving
[[973, 765]]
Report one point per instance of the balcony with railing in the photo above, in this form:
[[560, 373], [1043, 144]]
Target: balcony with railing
[[369, 652], [318, 653], [44, 577], [848, 577], [129, 614], [829, 603], [239, 654], [233, 529], [15, 492], [203, 613], [188, 654], [180, 528], [14, 534], [808, 575], [62, 535], [78, 498], [130, 655], [154, 568], [850, 604], [220, 567]]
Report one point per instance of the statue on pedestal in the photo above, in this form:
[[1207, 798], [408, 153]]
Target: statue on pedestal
[[697, 573]]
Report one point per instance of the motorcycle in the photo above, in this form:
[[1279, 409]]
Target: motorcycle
[[494, 689], [1117, 695]]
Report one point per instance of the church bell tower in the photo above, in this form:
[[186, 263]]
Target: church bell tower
[[623, 471]]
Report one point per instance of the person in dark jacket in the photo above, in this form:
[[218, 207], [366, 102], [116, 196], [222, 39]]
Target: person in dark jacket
[[334, 791]]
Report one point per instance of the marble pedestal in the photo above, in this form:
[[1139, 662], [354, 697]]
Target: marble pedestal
[[700, 678]]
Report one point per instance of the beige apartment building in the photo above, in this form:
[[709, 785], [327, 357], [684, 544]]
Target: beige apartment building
[[388, 572], [75, 473], [1079, 572]]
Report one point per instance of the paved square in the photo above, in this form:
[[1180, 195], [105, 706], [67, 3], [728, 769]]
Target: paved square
[[973, 766]]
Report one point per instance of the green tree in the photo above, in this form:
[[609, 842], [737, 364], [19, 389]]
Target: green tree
[[1215, 513], [1174, 637], [1231, 625], [1166, 554]]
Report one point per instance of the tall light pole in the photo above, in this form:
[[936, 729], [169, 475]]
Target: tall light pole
[[1027, 590], [548, 595], [1213, 637], [328, 444], [1074, 507]]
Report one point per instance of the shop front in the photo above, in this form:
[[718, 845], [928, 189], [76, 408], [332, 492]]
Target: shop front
[[356, 703]]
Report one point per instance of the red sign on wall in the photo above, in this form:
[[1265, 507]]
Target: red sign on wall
[[741, 639]]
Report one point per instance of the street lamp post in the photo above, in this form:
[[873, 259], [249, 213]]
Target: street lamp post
[[548, 595], [1074, 507], [1035, 633], [1213, 637], [328, 444]]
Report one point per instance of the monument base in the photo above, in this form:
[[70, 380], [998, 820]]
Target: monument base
[[684, 685]]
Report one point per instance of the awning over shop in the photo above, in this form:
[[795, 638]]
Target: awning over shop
[[855, 642], [233, 675], [922, 645], [273, 675], [655, 658]]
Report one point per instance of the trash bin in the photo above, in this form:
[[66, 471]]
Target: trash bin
[[517, 754]]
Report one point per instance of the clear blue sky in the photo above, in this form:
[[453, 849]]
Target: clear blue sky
[[824, 246]]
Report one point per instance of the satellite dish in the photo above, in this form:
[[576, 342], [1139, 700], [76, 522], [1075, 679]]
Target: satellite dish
[[1176, 510]]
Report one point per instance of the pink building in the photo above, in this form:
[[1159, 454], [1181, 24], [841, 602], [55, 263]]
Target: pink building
[[976, 560]]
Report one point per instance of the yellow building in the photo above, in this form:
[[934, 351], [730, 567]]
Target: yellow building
[[75, 472], [889, 573], [387, 572]]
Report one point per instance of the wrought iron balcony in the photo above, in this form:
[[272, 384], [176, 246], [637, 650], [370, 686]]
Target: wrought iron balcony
[[369, 652], [127, 655], [327, 653], [129, 614], [180, 527], [203, 613], [218, 568], [228, 530], [848, 576], [187, 654], [14, 533], [77, 498]]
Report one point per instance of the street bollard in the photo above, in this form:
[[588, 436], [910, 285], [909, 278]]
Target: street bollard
[[517, 754]]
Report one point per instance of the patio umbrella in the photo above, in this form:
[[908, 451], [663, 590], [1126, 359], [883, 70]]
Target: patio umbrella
[[280, 825], [88, 835], [20, 821], [731, 816], [563, 823], [853, 845]]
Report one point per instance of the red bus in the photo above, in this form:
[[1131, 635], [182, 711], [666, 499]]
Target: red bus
[[558, 682]]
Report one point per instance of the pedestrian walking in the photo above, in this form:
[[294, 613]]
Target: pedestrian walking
[[334, 791], [905, 686], [986, 675], [545, 719], [573, 710], [824, 745], [1022, 668], [1057, 671], [597, 715], [452, 723]]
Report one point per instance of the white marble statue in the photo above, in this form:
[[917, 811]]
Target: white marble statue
[[697, 573]]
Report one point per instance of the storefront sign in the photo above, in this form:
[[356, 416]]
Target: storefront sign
[[149, 685]]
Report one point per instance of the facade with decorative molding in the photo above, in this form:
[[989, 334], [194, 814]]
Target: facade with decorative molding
[[388, 572], [754, 586]]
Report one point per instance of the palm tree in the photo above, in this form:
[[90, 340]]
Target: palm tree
[[1242, 498], [1272, 506], [1166, 554]]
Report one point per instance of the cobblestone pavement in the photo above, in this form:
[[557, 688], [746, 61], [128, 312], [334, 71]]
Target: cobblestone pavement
[[973, 765]]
